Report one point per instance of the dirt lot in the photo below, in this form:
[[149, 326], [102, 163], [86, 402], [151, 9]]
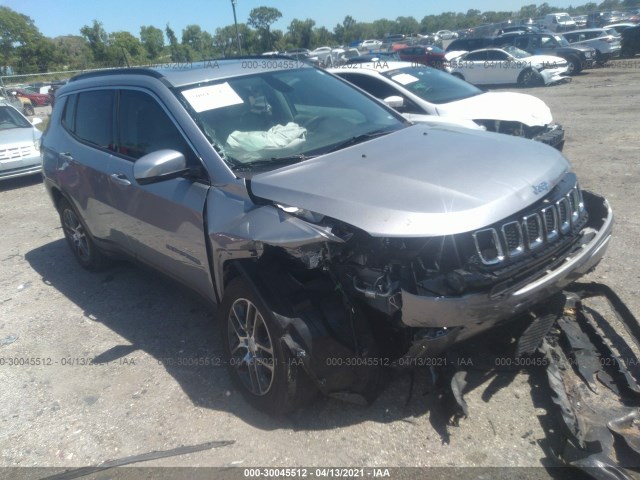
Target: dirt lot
[[112, 358]]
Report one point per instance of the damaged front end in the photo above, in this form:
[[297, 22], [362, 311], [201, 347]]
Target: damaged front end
[[551, 134], [350, 302]]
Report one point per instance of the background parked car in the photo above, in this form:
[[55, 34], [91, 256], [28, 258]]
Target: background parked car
[[416, 91], [630, 44], [559, 22], [19, 143], [605, 41], [577, 56], [430, 55], [496, 66], [370, 45], [37, 99]]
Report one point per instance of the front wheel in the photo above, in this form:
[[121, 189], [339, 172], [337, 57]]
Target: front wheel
[[574, 66], [260, 366], [530, 78], [78, 238]]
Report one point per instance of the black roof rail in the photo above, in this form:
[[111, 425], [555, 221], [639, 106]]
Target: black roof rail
[[118, 71]]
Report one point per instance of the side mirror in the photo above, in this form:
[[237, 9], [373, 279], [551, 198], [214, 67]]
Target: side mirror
[[36, 121], [159, 165], [394, 101]]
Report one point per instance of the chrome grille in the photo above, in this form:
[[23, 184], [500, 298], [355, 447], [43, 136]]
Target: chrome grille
[[534, 230], [17, 152]]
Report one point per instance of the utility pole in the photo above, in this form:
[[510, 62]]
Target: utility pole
[[235, 21]]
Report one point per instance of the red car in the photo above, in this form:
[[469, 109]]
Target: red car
[[37, 99], [429, 55]]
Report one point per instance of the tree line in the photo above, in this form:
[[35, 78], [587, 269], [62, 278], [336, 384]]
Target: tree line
[[24, 50]]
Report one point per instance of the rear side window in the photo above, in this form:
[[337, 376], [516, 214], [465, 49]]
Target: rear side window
[[94, 118]]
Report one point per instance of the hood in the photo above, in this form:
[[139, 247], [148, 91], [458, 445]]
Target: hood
[[15, 137], [506, 106], [420, 181]]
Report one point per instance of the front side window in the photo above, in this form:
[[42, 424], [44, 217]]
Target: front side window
[[144, 127]]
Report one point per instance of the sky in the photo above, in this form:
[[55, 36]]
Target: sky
[[67, 17]]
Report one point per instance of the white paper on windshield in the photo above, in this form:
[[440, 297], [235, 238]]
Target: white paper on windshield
[[404, 78], [212, 97]]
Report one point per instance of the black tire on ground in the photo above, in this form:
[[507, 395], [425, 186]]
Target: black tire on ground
[[29, 110], [79, 239], [575, 66], [530, 78], [260, 366]]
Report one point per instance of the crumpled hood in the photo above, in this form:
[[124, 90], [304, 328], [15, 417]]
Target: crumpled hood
[[517, 107], [419, 181]]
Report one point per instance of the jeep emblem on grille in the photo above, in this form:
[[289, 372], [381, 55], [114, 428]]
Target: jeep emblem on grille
[[541, 187]]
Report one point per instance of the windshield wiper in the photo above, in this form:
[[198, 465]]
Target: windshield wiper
[[358, 139], [273, 162]]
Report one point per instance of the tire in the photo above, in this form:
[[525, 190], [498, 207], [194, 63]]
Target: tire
[[530, 78], [260, 366], [574, 66], [29, 110], [78, 238]]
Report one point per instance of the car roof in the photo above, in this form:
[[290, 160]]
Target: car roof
[[186, 73], [585, 30]]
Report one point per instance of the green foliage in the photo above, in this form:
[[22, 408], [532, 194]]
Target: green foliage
[[152, 40]]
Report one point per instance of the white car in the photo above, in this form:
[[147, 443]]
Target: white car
[[416, 91], [370, 45], [446, 35], [19, 143], [510, 65], [324, 55]]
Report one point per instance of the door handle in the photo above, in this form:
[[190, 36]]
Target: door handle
[[66, 156], [120, 179]]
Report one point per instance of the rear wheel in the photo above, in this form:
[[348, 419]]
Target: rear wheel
[[78, 238], [260, 366]]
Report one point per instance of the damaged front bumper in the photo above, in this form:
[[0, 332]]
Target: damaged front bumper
[[466, 315]]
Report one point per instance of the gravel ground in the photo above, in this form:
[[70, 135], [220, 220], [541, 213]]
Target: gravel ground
[[107, 363]]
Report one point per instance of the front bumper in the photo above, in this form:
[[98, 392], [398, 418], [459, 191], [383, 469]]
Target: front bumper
[[13, 167], [473, 313]]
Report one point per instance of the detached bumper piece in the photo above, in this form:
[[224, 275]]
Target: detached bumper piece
[[553, 137], [593, 368]]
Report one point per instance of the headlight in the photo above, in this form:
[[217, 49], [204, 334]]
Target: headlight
[[307, 215]]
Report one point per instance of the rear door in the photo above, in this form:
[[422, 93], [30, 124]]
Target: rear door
[[84, 150]]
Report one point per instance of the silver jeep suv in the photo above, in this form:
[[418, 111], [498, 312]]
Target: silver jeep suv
[[335, 237]]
